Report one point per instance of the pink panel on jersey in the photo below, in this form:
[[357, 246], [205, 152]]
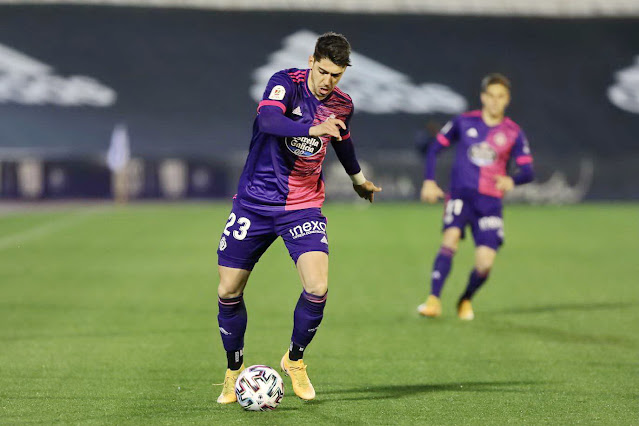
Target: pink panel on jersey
[[524, 159], [304, 192], [502, 139], [474, 113], [442, 139], [346, 136], [305, 187], [271, 103]]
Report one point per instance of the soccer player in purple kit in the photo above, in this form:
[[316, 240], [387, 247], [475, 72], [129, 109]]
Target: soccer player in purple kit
[[280, 193], [485, 140]]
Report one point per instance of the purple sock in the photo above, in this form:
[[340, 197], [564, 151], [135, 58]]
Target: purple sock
[[474, 282], [306, 319], [441, 268], [232, 321]]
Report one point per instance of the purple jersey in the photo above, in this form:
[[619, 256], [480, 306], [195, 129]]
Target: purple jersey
[[285, 173], [483, 151]]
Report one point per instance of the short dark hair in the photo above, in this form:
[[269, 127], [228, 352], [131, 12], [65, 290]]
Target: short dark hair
[[335, 47], [495, 78]]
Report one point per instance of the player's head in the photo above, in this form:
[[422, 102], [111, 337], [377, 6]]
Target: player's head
[[495, 94], [328, 63]]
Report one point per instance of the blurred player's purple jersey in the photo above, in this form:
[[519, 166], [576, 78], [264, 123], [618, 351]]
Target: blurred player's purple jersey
[[285, 173], [483, 151]]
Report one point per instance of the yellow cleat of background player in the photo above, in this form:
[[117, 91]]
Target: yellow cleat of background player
[[228, 390], [465, 310], [296, 370], [432, 308]]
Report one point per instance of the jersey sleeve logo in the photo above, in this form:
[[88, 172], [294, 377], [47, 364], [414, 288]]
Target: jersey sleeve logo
[[277, 94], [482, 154], [304, 146], [472, 133]]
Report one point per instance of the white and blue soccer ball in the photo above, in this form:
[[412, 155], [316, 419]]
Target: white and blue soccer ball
[[259, 388]]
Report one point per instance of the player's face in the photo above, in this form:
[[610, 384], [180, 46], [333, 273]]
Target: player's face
[[324, 76], [495, 99]]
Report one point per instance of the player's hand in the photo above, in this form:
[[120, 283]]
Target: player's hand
[[366, 190], [431, 192], [504, 183], [328, 128]]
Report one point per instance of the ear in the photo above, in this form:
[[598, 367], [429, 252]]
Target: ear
[[311, 61]]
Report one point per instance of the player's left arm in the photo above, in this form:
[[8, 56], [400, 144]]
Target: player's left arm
[[524, 161], [345, 151]]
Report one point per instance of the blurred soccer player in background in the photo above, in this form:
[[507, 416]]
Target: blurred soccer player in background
[[485, 140], [280, 193]]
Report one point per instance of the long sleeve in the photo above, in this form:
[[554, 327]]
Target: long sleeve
[[271, 120], [346, 154], [430, 163], [525, 174]]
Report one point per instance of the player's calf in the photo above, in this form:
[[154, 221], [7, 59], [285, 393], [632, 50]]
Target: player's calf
[[441, 269]]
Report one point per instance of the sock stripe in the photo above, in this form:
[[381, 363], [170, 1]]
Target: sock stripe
[[315, 299], [231, 301], [445, 251]]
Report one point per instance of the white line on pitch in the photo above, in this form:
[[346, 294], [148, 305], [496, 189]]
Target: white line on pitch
[[73, 218]]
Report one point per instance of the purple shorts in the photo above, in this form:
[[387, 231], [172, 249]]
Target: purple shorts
[[482, 212], [248, 233]]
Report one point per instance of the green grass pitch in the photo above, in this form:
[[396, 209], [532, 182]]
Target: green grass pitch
[[108, 316]]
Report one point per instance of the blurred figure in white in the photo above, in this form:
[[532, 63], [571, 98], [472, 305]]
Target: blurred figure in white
[[118, 158]]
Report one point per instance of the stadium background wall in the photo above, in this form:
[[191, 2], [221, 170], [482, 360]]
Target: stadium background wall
[[184, 83]]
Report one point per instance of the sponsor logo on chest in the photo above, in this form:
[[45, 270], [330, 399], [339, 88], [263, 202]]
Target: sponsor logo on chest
[[482, 154], [304, 146]]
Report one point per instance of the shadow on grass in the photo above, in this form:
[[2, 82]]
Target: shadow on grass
[[400, 391], [566, 307], [562, 336], [574, 335]]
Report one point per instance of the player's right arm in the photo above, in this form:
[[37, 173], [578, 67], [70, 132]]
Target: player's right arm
[[272, 108], [330, 127], [276, 101], [431, 192]]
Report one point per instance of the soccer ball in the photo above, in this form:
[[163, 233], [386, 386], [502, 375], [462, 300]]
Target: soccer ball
[[259, 388]]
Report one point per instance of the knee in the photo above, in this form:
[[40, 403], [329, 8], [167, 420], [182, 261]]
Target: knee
[[232, 282], [227, 293], [317, 287], [451, 238], [483, 267], [229, 288], [484, 259]]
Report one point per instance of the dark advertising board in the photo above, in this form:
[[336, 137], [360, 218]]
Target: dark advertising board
[[186, 84]]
